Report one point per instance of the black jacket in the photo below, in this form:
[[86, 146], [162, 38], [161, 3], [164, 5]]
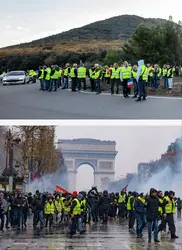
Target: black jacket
[[152, 208], [105, 202]]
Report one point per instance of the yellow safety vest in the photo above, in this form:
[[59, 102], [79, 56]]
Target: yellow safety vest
[[164, 72], [84, 203], [97, 74], [129, 208], [144, 73], [60, 73], [73, 73], [48, 75], [126, 72], [134, 73], [151, 73], [142, 200], [58, 206], [77, 208], [170, 208], [91, 74], [55, 75], [122, 198], [160, 208], [62, 199], [66, 72], [160, 71], [107, 74], [170, 72], [42, 74], [50, 208], [82, 72], [115, 73]]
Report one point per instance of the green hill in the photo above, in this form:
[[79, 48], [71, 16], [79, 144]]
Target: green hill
[[115, 28]]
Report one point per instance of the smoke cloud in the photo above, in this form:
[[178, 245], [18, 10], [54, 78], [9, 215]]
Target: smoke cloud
[[48, 183]]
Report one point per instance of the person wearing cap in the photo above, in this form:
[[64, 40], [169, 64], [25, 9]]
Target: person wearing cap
[[170, 210]]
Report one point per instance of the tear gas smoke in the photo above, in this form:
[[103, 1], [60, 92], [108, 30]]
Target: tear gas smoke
[[48, 183]]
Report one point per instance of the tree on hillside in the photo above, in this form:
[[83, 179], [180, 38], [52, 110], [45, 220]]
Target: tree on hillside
[[160, 43]]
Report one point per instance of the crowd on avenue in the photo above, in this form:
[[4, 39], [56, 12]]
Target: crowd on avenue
[[74, 211], [127, 76]]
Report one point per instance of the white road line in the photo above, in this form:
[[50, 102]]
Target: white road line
[[151, 97]]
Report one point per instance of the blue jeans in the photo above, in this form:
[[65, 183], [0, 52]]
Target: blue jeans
[[151, 82], [38, 216], [47, 84], [80, 80], [65, 83], [53, 82], [140, 223], [97, 86], [150, 224], [156, 83], [142, 88]]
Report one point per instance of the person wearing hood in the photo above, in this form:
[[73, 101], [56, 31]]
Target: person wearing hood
[[18, 213], [94, 201], [140, 214], [104, 204], [170, 210], [75, 211], [152, 212], [142, 76], [37, 209]]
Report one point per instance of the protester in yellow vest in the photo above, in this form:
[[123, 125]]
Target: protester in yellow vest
[[98, 77], [130, 209], [142, 76], [125, 76], [164, 75], [49, 211], [74, 75], [54, 78], [82, 74], [170, 76], [75, 210], [91, 76], [59, 209], [170, 210], [107, 74], [47, 77], [66, 76], [115, 78], [135, 84]]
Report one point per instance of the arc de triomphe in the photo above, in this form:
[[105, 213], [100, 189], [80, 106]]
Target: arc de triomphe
[[100, 155]]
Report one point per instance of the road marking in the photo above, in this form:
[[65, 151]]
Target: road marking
[[151, 97]]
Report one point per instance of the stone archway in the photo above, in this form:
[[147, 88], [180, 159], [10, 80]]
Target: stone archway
[[98, 154]]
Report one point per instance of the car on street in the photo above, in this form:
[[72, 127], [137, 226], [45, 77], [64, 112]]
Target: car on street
[[15, 77]]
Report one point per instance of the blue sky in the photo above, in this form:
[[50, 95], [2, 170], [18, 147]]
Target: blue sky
[[24, 20]]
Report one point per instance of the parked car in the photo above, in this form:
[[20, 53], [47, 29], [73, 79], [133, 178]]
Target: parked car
[[15, 77]]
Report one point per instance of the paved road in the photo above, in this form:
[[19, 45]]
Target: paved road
[[115, 236], [27, 102]]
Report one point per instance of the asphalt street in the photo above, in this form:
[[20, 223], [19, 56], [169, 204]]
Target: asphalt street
[[114, 236], [27, 102]]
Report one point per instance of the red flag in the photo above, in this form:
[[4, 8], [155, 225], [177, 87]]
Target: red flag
[[62, 190], [125, 189]]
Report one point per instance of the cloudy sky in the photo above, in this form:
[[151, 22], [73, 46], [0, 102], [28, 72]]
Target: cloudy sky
[[134, 144], [24, 20]]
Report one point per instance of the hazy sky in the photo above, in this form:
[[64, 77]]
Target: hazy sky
[[134, 144], [24, 20]]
